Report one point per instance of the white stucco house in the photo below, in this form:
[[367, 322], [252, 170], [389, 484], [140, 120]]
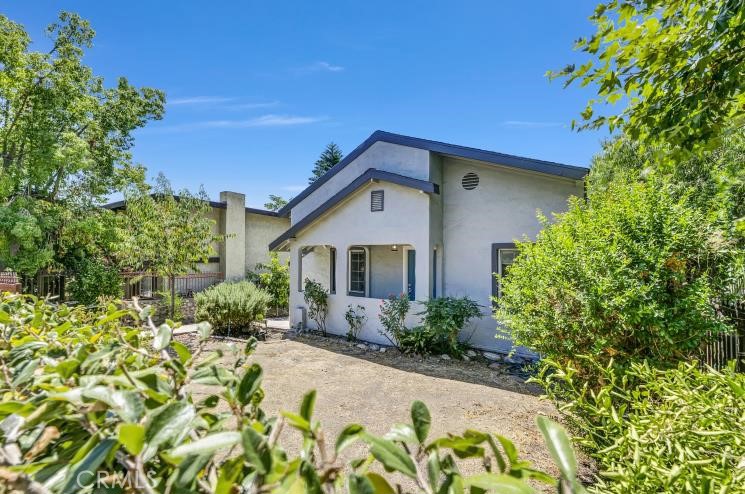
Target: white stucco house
[[424, 218]]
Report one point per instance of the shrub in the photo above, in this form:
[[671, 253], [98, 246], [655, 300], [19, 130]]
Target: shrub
[[82, 392], [356, 318], [317, 299], [274, 278], [443, 319], [93, 279], [392, 315], [651, 430], [231, 305], [625, 276]]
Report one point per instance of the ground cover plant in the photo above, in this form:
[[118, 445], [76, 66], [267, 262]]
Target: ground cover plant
[[356, 319], [89, 401]]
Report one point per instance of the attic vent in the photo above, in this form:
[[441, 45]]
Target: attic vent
[[470, 181], [376, 200]]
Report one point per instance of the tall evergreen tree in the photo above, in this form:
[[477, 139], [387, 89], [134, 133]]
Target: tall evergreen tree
[[330, 156]]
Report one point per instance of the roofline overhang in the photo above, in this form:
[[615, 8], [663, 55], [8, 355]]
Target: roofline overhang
[[371, 175], [119, 205], [507, 160]]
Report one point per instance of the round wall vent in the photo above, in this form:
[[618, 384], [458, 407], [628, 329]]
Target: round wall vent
[[470, 181]]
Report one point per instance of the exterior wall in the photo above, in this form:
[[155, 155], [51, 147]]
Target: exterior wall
[[404, 221], [215, 214], [233, 256], [501, 209], [260, 230], [394, 158]]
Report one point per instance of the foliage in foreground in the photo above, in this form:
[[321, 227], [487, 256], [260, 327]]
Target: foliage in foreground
[[442, 321], [651, 430], [232, 305], [626, 276], [87, 399]]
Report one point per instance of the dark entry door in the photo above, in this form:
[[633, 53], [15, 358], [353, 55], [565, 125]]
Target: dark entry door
[[411, 276]]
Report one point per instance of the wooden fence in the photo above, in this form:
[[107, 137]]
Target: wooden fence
[[729, 346], [147, 285]]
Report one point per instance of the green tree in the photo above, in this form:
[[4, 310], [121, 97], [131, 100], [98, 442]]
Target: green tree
[[678, 64], [275, 203], [329, 157], [166, 234], [65, 141]]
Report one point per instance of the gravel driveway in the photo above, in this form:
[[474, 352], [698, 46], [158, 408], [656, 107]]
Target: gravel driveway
[[376, 390]]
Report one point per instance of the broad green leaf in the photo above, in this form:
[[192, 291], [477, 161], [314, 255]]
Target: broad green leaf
[[380, 484], [348, 436], [207, 444], [84, 473], [165, 424], [162, 337], [249, 384], [501, 483], [182, 351], [421, 419], [306, 407], [132, 437], [560, 447], [391, 456], [127, 404], [360, 485], [255, 450]]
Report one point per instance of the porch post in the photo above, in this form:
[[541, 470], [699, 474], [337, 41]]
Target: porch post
[[233, 258]]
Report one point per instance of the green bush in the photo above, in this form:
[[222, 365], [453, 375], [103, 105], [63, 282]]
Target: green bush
[[232, 305], [442, 321], [85, 398], [163, 307], [92, 280], [356, 319], [317, 299], [627, 275], [274, 278], [650, 430]]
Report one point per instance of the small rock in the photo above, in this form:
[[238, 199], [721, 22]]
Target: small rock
[[445, 357], [361, 346], [495, 366], [382, 350], [471, 353], [492, 356], [466, 358], [374, 347]]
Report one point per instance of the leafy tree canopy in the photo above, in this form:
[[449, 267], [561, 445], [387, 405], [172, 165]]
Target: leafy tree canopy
[[680, 65], [65, 142], [330, 156]]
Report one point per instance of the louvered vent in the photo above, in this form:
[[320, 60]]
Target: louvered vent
[[470, 181], [376, 200]]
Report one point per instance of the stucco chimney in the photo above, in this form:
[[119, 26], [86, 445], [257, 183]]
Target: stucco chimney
[[233, 260]]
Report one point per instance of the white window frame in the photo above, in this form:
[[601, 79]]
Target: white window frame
[[500, 264]]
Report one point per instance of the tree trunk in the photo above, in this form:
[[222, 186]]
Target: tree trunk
[[172, 280]]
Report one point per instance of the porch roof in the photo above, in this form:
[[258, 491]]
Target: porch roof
[[371, 175]]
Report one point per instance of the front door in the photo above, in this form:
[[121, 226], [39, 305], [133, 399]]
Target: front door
[[411, 274]]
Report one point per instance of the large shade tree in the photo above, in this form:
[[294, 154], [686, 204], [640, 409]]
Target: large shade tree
[[678, 65], [164, 233], [65, 140]]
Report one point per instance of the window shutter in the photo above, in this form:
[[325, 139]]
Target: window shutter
[[376, 200]]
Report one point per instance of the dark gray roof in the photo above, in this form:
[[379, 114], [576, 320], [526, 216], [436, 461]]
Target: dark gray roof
[[548, 167], [370, 175], [215, 204]]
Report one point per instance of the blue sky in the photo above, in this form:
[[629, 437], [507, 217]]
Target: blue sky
[[256, 89]]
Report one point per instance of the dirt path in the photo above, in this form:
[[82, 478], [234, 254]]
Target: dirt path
[[376, 390]]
